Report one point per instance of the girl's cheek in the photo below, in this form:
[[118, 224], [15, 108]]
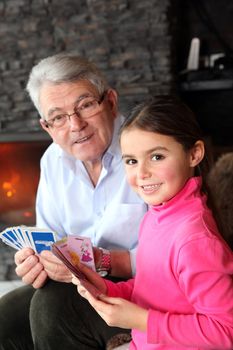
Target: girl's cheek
[[131, 179]]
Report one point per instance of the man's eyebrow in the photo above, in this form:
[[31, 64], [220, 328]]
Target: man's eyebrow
[[52, 110], [57, 109], [81, 97]]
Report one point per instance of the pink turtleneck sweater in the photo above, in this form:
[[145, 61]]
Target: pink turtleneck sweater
[[184, 277]]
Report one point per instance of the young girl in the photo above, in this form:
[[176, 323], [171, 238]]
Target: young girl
[[182, 295]]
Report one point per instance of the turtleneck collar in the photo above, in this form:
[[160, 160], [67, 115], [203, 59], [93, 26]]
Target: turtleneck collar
[[187, 197]]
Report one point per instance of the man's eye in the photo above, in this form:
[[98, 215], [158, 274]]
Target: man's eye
[[157, 157], [130, 161], [58, 118], [87, 105]]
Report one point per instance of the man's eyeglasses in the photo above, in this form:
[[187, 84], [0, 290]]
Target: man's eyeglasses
[[87, 108]]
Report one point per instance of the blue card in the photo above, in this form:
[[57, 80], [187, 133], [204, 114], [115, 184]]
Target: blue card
[[42, 240], [9, 237], [19, 237]]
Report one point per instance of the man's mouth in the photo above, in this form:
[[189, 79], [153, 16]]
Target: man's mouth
[[83, 139]]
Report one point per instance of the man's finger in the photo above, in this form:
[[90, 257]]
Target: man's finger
[[22, 255]]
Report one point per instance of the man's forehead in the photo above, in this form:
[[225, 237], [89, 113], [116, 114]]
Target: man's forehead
[[55, 97], [78, 86]]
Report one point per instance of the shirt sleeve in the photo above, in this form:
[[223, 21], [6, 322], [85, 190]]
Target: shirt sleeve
[[204, 274], [121, 289], [133, 253]]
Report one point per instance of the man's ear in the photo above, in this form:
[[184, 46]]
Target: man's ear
[[112, 100], [197, 153], [45, 126]]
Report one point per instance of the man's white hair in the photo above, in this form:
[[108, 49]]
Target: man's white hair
[[62, 68]]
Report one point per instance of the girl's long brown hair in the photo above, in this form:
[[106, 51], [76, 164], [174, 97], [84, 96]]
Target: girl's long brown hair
[[168, 115]]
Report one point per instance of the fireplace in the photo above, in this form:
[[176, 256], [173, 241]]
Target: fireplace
[[20, 167]]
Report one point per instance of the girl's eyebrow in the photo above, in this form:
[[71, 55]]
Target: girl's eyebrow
[[151, 150], [126, 156]]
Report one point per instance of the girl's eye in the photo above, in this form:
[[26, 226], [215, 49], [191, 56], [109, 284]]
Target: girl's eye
[[130, 161], [157, 157]]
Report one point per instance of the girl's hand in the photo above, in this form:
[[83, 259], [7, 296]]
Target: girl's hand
[[92, 277], [118, 312]]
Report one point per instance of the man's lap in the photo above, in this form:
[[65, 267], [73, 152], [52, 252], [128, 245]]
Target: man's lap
[[59, 317]]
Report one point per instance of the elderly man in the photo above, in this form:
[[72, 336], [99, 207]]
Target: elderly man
[[82, 190]]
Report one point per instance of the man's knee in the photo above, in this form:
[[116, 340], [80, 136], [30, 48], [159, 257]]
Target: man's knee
[[45, 304], [14, 319], [50, 307]]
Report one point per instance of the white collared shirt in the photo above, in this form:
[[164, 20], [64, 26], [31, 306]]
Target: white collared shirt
[[68, 203]]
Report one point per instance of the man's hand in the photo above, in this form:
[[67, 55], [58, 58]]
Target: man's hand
[[54, 267], [29, 268]]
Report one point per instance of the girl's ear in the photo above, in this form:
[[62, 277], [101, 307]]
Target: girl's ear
[[197, 153]]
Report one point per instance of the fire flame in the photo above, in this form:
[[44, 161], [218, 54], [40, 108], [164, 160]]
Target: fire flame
[[9, 187]]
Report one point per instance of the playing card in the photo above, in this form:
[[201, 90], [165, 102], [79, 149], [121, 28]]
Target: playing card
[[28, 242], [19, 237], [9, 237], [73, 267], [22, 237], [40, 239], [71, 251], [77, 249]]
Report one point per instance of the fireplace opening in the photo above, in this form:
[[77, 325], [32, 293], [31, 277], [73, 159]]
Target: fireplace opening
[[19, 177]]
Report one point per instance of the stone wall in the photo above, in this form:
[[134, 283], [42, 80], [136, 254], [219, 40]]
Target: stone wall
[[129, 39]]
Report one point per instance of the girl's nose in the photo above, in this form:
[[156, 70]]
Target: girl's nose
[[143, 171]]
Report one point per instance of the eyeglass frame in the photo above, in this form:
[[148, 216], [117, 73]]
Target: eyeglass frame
[[76, 112]]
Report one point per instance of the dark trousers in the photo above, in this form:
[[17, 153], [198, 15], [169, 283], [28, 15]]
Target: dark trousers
[[51, 318]]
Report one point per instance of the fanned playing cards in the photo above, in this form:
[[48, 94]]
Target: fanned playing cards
[[73, 250], [19, 237]]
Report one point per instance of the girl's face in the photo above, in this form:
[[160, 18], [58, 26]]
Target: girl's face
[[157, 166]]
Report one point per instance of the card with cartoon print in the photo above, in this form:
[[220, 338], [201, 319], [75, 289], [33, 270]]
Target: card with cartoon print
[[73, 250]]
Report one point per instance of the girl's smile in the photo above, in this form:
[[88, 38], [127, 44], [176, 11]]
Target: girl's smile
[[148, 189]]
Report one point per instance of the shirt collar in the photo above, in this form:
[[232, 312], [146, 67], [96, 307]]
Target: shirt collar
[[114, 148]]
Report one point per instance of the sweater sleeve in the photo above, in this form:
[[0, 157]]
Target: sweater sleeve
[[120, 289], [204, 273]]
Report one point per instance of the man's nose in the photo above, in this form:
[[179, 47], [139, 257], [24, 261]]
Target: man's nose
[[76, 123]]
